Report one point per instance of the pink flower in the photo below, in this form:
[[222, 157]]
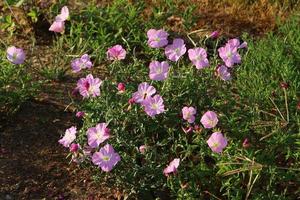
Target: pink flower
[[188, 113], [74, 147], [116, 53], [121, 87], [144, 91], [69, 137], [80, 114], [223, 73], [172, 167], [81, 63], [229, 55], [236, 43], [143, 149], [158, 70], [198, 56], [15, 55], [64, 14], [217, 142], [57, 26], [59, 23], [209, 119], [89, 86], [97, 135], [154, 105], [175, 50], [214, 35], [106, 158], [157, 38]]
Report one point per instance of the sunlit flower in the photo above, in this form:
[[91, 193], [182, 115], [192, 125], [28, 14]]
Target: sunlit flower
[[223, 73], [97, 135], [158, 70], [116, 53], [175, 50], [157, 38], [81, 63], [198, 56], [64, 14], [89, 86], [144, 91], [229, 55], [172, 167], [154, 105], [209, 119], [59, 24], [188, 113], [69, 137], [217, 142], [106, 158], [15, 55]]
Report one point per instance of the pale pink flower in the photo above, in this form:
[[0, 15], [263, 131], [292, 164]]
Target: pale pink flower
[[158, 70], [236, 43], [157, 38], [57, 26], [116, 53], [198, 56], [69, 137], [209, 119], [217, 142], [106, 158], [223, 73], [97, 135], [89, 86], [154, 105], [81, 63], [15, 55], [64, 14], [188, 113], [144, 91], [172, 167], [229, 55], [175, 50]]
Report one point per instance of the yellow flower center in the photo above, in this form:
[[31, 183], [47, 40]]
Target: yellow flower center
[[106, 158]]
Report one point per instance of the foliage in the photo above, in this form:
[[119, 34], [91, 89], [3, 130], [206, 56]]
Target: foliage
[[16, 84], [246, 109]]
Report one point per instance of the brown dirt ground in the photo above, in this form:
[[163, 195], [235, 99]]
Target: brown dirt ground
[[32, 163]]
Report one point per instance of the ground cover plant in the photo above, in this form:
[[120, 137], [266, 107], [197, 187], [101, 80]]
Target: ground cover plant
[[174, 115], [192, 118]]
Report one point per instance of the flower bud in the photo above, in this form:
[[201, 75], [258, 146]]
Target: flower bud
[[74, 147], [121, 87]]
